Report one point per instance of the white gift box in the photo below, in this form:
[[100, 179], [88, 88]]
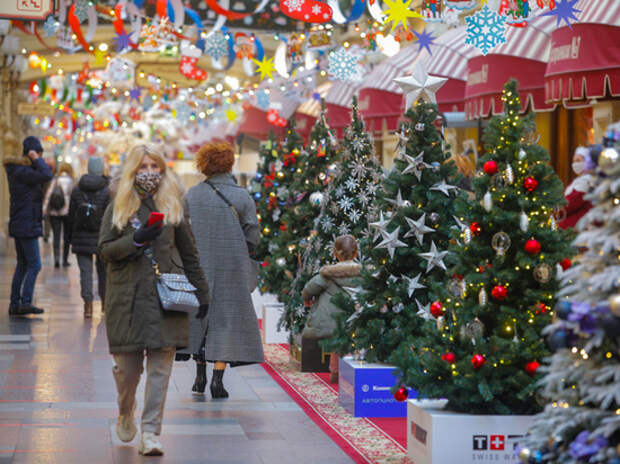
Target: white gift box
[[271, 316], [435, 436]]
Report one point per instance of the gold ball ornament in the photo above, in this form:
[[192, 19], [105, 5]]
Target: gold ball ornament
[[609, 161], [525, 454], [614, 306]]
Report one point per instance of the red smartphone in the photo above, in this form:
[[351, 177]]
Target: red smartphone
[[155, 217]]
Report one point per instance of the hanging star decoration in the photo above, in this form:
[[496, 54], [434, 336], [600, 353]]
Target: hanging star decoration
[[231, 115], [420, 85], [443, 187], [401, 146], [564, 11], [425, 40], [50, 26], [398, 12], [380, 226], [134, 94], [81, 9], [391, 241], [424, 311], [413, 284], [434, 258], [416, 165], [122, 41], [418, 228], [399, 202], [264, 67]]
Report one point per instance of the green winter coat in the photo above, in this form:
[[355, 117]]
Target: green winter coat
[[323, 286], [134, 317]]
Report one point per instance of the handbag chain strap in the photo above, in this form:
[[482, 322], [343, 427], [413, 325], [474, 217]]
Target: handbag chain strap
[[148, 252]]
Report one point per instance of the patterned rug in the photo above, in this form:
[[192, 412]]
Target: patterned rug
[[362, 440]]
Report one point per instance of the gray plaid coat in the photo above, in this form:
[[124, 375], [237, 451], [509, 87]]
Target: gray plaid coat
[[231, 326]]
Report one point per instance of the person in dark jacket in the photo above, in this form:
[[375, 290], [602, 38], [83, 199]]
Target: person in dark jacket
[[26, 175], [136, 323], [90, 197]]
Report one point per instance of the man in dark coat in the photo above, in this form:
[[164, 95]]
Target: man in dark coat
[[26, 175], [91, 196]]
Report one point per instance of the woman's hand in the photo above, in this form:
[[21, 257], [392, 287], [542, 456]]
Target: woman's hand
[[147, 233]]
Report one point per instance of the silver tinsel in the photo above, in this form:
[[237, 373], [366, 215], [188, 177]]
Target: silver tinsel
[[524, 221]]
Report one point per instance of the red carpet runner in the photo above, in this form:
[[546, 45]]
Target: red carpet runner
[[362, 439]]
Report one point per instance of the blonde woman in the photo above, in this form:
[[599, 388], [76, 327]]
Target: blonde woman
[[56, 206], [135, 321]]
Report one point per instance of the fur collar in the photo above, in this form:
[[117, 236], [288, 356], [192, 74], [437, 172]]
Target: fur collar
[[342, 269], [20, 160]]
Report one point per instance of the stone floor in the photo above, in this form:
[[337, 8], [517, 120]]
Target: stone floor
[[58, 399]]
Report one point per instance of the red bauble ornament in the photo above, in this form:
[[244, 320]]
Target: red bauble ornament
[[264, 264], [478, 361], [437, 309], [530, 184], [449, 357], [532, 246], [499, 292], [531, 368], [475, 228], [401, 394], [565, 263], [490, 167], [541, 308]]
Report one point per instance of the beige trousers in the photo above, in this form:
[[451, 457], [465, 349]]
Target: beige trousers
[[128, 368]]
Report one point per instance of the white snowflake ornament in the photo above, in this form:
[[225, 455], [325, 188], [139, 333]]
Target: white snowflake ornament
[[485, 30]]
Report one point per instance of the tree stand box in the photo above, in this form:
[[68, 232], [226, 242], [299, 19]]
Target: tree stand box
[[309, 353], [364, 389], [437, 437]]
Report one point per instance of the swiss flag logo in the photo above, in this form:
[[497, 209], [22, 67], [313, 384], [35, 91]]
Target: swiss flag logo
[[497, 442]]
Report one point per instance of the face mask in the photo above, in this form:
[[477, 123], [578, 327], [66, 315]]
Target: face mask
[[148, 181], [579, 167]]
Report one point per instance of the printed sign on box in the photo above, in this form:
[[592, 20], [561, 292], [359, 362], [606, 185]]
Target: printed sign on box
[[472, 438], [33, 10], [364, 389]]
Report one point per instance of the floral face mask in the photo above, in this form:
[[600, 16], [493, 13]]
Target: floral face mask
[[148, 181]]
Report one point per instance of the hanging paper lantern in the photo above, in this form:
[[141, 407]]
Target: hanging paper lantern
[[530, 184], [437, 309], [499, 292], [478, 361], [490, 167], [532, 246]]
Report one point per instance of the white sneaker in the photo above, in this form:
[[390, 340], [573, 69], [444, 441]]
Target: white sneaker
[[150, 445], [125, 427]]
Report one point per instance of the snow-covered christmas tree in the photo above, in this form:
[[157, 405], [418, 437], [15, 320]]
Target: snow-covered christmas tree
[[581, 422]]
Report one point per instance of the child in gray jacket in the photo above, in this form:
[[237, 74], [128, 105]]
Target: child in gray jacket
[[319, 291]]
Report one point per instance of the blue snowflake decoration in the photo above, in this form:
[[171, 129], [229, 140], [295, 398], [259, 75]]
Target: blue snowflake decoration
[[50, 26], [342, 65], [81, 9], [425, 40], [564, 10], [216, 46], [262, 100], [485, 30]]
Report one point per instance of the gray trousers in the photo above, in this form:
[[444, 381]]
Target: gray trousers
[[85, 263], [127, 370]]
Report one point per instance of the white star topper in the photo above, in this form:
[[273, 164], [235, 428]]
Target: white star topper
[[420, 85]]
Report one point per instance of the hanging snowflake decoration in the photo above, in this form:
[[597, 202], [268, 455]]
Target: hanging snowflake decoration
[[327, 223], [50, 26], [334, 208], [342, 65], [339, 191], [485, 30], [294, 5], [344, 229], [276, 215], [345, 203], [358, 169], [283, 192], [216, 46], [351, 184], [81, 9], [354, 216], [371, 189], [363, 198], [358, 144], [262, 100]]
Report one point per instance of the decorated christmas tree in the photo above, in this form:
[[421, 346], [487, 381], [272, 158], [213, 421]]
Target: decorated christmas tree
[[279, 265], [264, 189], [406, 245], [581, 422], [345, 208], [493, 308], [314, 170]]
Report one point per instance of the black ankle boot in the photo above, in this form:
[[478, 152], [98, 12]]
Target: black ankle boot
[[201, 378], [217, 387]]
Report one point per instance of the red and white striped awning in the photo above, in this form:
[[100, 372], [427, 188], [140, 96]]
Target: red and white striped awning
[[523, 57], [584, 60]]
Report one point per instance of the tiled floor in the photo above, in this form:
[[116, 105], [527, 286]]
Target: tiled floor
[[58, 399]]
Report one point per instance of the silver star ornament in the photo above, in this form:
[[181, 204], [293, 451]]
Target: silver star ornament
[[420, 85], [391, 241], [413, 284], [443, 187], [416, 165], [418, 228], [434, 258]]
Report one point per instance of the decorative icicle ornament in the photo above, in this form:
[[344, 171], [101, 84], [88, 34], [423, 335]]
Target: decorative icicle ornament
[[552, 224], [524, 221], [482, 297], [510, 176], [441, 323], [467, 236], [522, 154], [487, 202]]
